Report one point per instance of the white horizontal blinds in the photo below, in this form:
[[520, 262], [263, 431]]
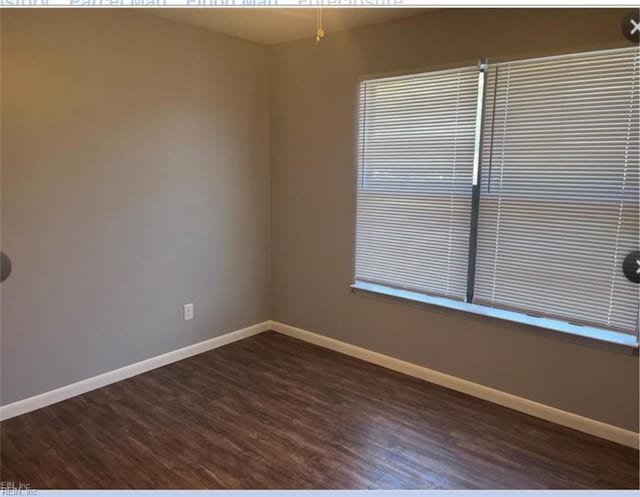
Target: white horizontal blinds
[[414, 181], [559, 190]]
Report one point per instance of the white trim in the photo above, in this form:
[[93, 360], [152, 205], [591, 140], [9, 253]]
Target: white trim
[[621, 341], [83, 386], [558, 416]]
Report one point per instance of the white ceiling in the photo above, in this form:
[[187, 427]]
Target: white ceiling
[[277, 25]]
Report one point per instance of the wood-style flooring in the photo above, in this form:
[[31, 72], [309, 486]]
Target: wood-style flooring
[[271, 412]]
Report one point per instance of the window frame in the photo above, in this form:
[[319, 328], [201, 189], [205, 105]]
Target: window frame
[[592, 334]]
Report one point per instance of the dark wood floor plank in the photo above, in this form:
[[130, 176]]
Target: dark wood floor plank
[[274, 412]]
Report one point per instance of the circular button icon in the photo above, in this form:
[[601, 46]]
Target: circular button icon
[[5, 266], [631, 266], [631, 26]]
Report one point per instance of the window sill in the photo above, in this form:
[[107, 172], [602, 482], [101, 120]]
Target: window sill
[[594, 335]]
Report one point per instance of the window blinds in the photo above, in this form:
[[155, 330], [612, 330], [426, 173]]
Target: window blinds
[[415, 159], [559, 188]]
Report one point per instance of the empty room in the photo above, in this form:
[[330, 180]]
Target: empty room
[[319, 246]]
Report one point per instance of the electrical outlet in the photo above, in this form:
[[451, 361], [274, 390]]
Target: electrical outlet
[[188, 312]]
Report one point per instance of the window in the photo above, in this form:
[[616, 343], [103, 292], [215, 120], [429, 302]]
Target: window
[[415, 163], [555, 207]]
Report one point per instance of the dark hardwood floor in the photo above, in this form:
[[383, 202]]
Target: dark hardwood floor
[[274, 412]]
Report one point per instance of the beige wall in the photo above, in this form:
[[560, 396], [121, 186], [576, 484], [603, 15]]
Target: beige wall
[[313, 124], [135, 178]]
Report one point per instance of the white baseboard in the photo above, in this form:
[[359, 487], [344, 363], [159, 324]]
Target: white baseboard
[[558, 416], [80, 387], [564, 418]]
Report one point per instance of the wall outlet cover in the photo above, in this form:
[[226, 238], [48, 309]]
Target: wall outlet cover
[[188, 312]]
